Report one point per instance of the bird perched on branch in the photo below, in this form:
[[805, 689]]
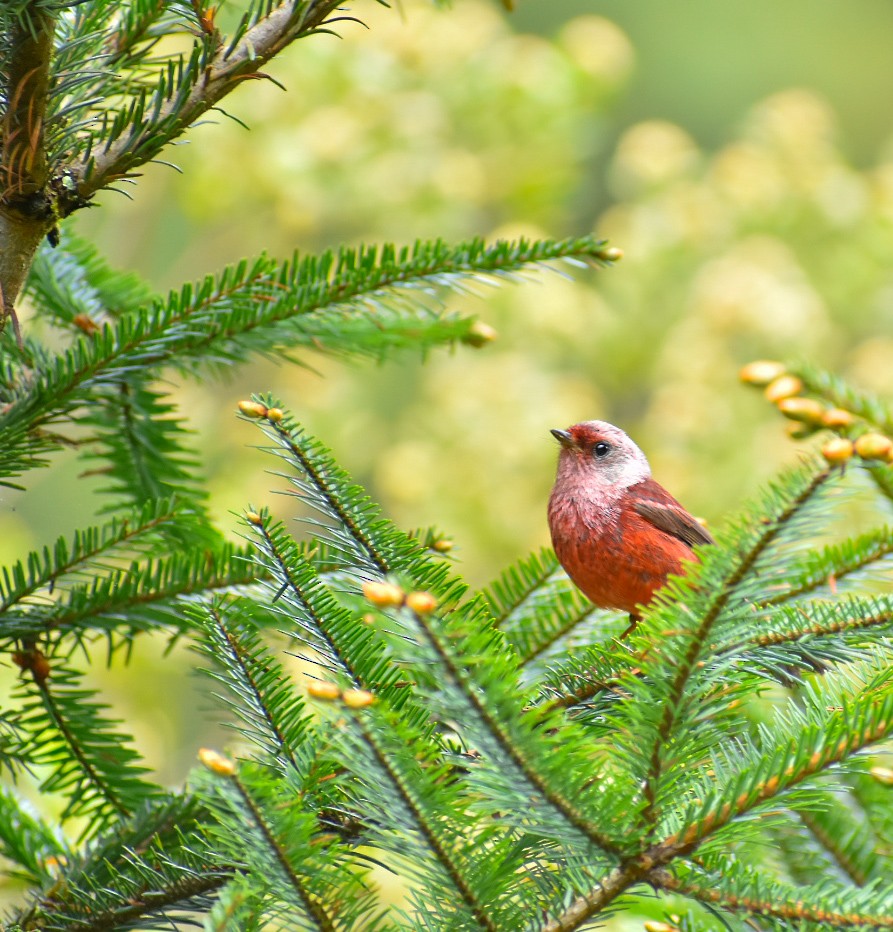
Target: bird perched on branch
[[617, 532]]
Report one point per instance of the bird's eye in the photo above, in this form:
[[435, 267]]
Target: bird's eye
[[601, 449]]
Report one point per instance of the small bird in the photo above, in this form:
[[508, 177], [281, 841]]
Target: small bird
[[617, 533]]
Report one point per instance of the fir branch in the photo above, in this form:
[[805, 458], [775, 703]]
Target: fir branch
[[519, 583], [144, 596], [25, 211], [269, 308], [88, 761], [814, 620], [762, 896], [341, 644], [140, 449], [90, 549], [358, 540], [153, 869], [689, 644], [75, 286], [213, 70], [536, 606], [846, 839], [28, 842], [791, 751], [836, 562], [505, 733], [840, 394], [409, 782], [258, 691], [293, 871], [314, 906], [613, 885]]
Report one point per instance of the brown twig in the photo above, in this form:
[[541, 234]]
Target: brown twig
[[230, 65], [26, 213]]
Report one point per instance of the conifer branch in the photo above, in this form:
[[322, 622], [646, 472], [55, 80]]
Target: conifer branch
[[423, 824], [834, 845], [858, 724], [836, 562], [519, 583], [820, 620], [835, 390], [798, 908], [269, 307], [183, 894], [332, 501], [215, 69], [260, 690], [613, 885], [313, 905], [697, 638], [509, 748], [26, 213], [144, 596], [41, 570], [91, 774]]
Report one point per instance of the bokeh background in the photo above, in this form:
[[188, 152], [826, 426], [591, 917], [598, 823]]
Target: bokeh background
[[740, 154]]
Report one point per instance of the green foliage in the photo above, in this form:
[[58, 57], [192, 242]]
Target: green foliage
[[510, 756]]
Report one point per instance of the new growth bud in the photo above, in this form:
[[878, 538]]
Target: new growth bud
[[253, 409], [422, 603], [479, 334], [357, 698], [837, 417], [873, 446], [761, 372], [216, 763], [807, 410], [323, 689], [383, 595], [786, 386], [838, 450]]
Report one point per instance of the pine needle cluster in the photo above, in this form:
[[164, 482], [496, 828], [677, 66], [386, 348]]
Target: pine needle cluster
[[503, 755]]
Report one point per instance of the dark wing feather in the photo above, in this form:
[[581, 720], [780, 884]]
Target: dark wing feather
[[659, 508]]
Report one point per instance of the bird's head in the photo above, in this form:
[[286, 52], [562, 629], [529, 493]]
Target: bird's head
[[600, 454]]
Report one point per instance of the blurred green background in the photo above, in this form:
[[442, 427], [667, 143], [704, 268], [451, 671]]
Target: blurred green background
[[740, 154]]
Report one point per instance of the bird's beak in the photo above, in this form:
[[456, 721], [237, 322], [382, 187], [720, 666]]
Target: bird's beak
[[564, 438]]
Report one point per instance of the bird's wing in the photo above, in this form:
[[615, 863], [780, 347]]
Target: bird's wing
[[659, 508]]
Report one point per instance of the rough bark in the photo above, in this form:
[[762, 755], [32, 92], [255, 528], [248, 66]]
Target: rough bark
[[26, 211]]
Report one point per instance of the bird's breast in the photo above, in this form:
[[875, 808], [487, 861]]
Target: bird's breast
[[610, 552]]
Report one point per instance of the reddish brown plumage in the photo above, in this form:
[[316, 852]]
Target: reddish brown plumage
[[616, 531]]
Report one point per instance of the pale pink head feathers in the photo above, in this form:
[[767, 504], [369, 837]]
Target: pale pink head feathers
[[600, 455]]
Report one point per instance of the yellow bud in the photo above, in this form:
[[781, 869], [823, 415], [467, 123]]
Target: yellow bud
[[357, 698], [837, 450], [837, 417], [611, 254], [761, 372], [274, 415], [442, 545], [874, 446], [807, 410], [252, 517], [382, 594], [422, 603], [785, 386], [882, 775], [253, 409], [216, 763], [479, 334], [652, 926], [323, 689]]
